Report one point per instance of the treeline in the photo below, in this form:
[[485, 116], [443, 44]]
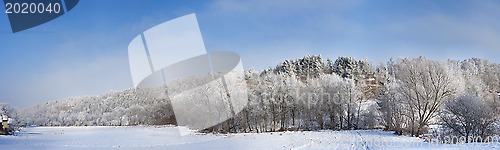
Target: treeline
[[130, 107], [410, 94], [417, 92], [404, 95], [308, 94]]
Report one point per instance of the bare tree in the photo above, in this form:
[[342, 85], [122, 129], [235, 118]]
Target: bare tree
[[468, 116], [425, 85]]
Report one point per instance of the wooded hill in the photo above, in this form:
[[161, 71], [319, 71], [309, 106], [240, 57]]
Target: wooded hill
[[404, 95]]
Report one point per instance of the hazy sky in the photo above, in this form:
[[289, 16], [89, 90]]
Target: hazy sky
[[84, 52]]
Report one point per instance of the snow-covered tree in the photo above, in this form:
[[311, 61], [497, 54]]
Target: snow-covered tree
[[425, 85], [468, 116]]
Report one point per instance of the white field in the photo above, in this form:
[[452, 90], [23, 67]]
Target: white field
[[150, 137]]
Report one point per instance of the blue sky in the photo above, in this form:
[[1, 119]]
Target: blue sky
[[84, 52]]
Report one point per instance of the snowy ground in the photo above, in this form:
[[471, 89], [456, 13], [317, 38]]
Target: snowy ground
[[169, 138]]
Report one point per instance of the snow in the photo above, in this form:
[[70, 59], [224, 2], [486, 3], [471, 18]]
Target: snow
[[163, 137]]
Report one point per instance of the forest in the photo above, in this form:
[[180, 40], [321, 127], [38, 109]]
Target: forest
[[405, 95]]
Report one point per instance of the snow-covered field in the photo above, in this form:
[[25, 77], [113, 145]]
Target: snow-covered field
[[150, 137]]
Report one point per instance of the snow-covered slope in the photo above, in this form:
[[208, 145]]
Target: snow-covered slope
[[151, 137]]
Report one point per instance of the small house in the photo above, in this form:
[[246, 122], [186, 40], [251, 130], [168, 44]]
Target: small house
[[5, 122]]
